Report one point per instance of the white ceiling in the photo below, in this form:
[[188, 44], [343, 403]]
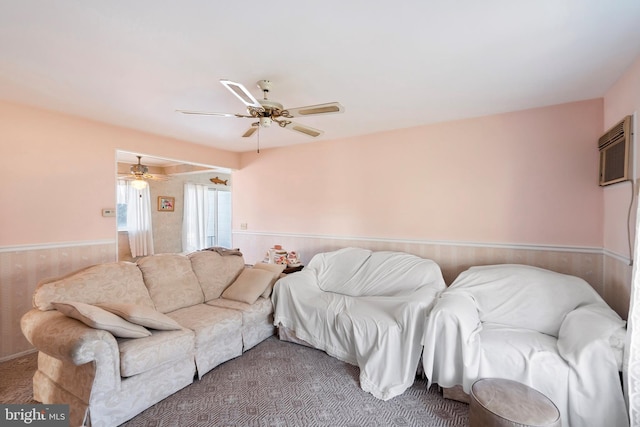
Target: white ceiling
[[391, 64]]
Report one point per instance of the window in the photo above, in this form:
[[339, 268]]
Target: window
[[219, 220]]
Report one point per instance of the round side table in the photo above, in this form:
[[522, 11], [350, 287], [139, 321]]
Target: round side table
[[496, 402]]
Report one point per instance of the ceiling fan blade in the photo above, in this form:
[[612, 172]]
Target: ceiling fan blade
[[206, 113], [250, 132], [307, 130], [311, 110], [241, 93]]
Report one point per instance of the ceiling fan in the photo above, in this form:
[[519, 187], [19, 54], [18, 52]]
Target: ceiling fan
[[139, 175], [267, 111]]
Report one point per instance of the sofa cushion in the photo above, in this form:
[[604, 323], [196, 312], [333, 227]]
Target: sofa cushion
[[98, 318], [215, 272], [251, 313], [276, 269], [171, 281], [208, 322], [140, 355], [257, 319], [110, 282], [141, 315], [251, 283]]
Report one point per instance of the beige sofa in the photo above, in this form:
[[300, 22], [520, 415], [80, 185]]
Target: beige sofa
[[154, 325]]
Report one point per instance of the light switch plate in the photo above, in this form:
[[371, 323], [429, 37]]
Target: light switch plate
[[108, 212]]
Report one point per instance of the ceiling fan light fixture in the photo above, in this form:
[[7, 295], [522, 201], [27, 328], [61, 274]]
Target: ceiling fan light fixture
[[139, 170], [139, 184], [265, 122]]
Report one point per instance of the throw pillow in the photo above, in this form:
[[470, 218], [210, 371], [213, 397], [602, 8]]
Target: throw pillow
[[142, 315], [276, 269], [249, 285], [98, 318]]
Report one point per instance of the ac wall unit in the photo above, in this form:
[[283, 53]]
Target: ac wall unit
[[615, 153]]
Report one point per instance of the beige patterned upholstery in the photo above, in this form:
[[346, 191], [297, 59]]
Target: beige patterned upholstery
[[138, 355], [215, 272], [107, 381], [215, 328], [171, 282], [93, 285], [257, 319]]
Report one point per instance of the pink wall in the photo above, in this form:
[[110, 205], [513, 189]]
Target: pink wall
[[57, 173], [527, 177], [622, 99]]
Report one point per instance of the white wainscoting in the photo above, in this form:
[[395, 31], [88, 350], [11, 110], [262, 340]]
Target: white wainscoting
[[608, 273], [22, 267]]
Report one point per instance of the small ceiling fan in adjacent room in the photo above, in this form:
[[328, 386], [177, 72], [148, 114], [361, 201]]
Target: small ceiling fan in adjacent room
[[139, 175], [268, 111]]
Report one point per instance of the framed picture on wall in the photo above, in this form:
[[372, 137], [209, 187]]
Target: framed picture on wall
[[166, 204]]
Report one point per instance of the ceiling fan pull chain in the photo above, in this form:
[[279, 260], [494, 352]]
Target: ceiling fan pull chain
[[258, 139]]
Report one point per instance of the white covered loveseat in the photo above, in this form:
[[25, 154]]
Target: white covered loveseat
[[547, 330], [365, 308]]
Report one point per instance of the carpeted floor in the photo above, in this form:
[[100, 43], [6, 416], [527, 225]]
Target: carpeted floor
[[15, 379], [274, 384]]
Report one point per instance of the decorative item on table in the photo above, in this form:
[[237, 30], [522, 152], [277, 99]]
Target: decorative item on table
[[292, 259], [280, 257], [277, 255]]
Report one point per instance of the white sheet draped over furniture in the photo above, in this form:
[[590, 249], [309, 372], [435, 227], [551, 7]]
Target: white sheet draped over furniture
[[547, 330], [365, 308]]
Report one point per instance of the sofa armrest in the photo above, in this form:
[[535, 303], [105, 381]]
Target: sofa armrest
[[71, 341], [451, 342], [594, 381], [300, 278], [586, 327]]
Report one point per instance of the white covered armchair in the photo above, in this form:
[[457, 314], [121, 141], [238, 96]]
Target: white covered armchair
[[547, 330]]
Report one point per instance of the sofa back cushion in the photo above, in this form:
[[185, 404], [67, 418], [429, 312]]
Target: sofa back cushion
[[249, 286], [276, 270], [102, 283], [215, 272], [361, 272], [171, 281]]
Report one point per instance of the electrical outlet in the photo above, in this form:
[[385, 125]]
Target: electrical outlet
[[108, 212], [243, 226]]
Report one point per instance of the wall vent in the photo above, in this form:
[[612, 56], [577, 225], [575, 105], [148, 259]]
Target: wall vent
[[615, 153]]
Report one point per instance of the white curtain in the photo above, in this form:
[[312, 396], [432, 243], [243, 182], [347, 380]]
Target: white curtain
[[194, 220], [631, 365], [139, 221]]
